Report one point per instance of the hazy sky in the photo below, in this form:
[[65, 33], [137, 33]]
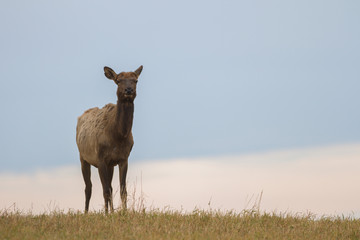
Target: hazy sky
[[219, 78], [321, 181]]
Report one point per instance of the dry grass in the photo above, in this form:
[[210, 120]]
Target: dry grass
[[141, 223], [166, 224]]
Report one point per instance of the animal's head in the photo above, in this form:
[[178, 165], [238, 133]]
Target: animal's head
[[126, 82]]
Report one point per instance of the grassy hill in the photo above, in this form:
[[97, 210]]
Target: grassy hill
[[166, 224]]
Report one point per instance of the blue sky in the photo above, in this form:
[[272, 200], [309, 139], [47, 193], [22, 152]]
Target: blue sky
[[219, 78]]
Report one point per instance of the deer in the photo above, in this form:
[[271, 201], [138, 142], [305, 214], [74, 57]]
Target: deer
[[104, 138]]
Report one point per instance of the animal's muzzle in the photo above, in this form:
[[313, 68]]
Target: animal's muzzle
[[129, 91]]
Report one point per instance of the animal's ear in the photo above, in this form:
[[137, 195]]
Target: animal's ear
[[138, 71], [109, 73]]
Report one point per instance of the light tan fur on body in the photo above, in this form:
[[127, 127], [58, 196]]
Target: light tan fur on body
[[92, 125], [104, 137]]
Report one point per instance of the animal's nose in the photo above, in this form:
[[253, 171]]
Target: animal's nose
[[129, 90]]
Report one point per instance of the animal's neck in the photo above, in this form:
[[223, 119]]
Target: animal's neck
[[124, 118]]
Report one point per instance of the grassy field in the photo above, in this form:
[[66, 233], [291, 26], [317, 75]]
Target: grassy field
[[166, 224]]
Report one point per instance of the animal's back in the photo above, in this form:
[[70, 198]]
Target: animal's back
[[91, 128]]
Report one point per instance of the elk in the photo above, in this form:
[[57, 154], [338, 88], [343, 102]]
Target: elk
[[104, 137]]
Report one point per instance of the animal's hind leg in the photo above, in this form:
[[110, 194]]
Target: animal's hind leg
[[106, 173], [86, 172]]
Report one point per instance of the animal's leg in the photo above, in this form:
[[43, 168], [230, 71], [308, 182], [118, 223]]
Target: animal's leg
[[104, 177], [86, 172], [110, 177], [122, 175]]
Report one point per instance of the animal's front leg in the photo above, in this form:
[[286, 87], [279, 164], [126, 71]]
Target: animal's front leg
[[105, 173], [111, 172], [123, 166]]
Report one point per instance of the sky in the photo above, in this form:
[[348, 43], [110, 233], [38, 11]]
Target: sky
[[220, 78], [322, 181]]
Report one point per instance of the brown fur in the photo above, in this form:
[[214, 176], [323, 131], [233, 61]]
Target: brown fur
[[104, 137]]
